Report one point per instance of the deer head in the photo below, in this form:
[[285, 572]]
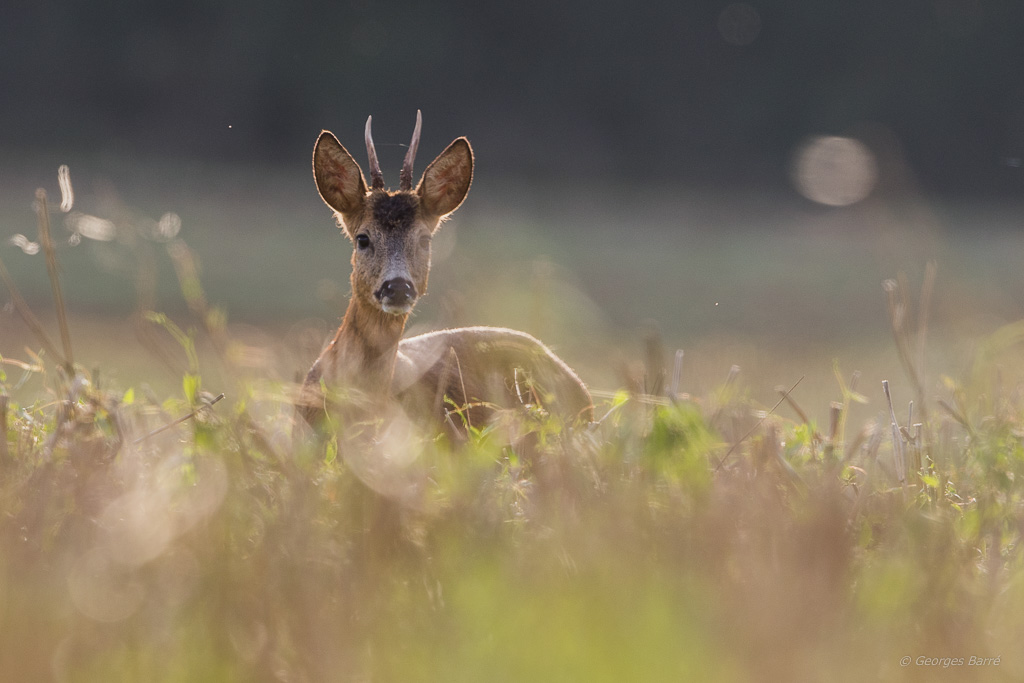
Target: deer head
[[391, 230]]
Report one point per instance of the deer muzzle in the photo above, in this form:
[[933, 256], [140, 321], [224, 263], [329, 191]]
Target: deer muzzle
[[396, 295]]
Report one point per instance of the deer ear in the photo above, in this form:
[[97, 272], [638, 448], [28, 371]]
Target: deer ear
[[446, 181], [338, 177]]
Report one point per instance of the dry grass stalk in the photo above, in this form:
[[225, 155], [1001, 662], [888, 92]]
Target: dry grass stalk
[[924, 310], [835, 412], [854, 446], [757, 425], [791, 402], [186, 267], [446, 374], [677, 376], [730, 380], [28, 316], [183, 418], [43, 217], [911, 352], [899, 460], [654, 362], [462, 385], [4, 454], [956, 415], [874, 443]]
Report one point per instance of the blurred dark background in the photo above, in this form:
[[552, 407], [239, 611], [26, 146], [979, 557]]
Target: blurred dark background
[[710, 93]]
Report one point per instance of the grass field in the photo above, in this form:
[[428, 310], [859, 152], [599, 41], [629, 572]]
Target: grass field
[[716, 537]]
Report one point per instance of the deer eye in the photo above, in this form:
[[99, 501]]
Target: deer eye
[[363, 241], [425, 242]]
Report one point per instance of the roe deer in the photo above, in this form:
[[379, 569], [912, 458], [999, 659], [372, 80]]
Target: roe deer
[[480, 368]]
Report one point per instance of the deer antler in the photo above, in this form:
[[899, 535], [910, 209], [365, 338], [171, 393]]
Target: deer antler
[[376, 177], [410, 156]]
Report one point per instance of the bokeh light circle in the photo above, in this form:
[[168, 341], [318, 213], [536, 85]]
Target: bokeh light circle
[[836, 171]]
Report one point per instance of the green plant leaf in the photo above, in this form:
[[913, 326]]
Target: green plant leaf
[[190, 385]]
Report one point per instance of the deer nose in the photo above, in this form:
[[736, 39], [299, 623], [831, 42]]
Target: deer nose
[[397, 293]]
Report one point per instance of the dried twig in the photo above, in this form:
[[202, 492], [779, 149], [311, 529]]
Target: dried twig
[[754, 428], [184, 418]]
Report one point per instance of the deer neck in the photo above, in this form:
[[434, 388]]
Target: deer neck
[[365, 348]]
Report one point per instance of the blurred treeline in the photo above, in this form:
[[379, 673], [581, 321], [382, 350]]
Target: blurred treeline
[[712, 92]]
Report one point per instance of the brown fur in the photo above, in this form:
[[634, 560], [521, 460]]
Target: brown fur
[[368, 364]]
